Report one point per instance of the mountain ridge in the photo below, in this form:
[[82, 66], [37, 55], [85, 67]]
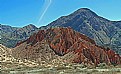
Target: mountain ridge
[[105, 32], [11, 35]]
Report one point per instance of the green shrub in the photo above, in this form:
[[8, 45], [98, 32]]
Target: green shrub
[[102, 65]]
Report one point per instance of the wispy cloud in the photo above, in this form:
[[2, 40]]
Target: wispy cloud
[[47, 4]]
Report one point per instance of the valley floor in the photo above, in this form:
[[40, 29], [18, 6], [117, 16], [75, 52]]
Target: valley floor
[[62, 69]]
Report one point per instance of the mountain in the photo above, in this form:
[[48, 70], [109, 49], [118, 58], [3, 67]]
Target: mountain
[[9, 36], [6, 28], [65, 45], [103, 31], [24, 32]]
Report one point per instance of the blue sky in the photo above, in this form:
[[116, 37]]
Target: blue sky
[[19, 13]]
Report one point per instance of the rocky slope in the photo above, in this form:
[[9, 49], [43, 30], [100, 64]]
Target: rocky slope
[[8, 61], [65, 45], [103, 31], [9, 36]]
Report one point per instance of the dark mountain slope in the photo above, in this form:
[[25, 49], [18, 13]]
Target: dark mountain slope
[[25, 32], [9, 36]]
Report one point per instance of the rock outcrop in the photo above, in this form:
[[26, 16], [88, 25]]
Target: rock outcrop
[[65, 44]]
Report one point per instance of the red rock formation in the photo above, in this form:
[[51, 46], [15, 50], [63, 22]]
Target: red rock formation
[[65, 42], [114, 58]]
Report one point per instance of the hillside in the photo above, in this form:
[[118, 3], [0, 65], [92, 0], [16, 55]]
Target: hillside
[[65, 45], [8, 61]]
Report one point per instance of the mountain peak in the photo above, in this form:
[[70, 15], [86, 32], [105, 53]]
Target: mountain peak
[[78, 16], [30, 25], [84, 9]]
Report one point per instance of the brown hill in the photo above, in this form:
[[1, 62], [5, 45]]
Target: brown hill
[[66, 45], [8, 61]]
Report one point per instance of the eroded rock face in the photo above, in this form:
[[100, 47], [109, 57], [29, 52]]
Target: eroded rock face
[[66, 44], [114, 58]]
